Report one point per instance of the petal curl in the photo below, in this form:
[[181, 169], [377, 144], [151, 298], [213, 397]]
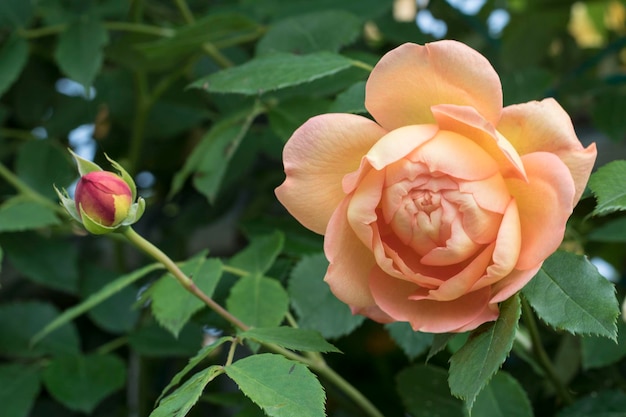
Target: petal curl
[[412, 78], [544, 204], [543, 126], [514, 282], [316, 158]]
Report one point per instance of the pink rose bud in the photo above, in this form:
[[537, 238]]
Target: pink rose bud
[[103, 196]]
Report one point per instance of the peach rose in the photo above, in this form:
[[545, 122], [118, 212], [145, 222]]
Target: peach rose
[[448, 203]]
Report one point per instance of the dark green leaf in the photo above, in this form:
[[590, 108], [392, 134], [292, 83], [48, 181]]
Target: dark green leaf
[[440, 341], [569, 293], [598, 351], [81, 382], [316, 306], [258, 301], [19, 214], [172, 305], [350, 101], [260, 254], [327, 30], [412, 343], [607, 185], [16, 13], [41, 164], [154, 341], [273, 72], [472, 366], [178, 403], [93, 300], [597, 404], [19, 386], [424, 392], [290, 114], [282, 388], [20, 321], [503, 397], [13, 57], [612, 231], [606, 113], [290, 338], [79, 51]]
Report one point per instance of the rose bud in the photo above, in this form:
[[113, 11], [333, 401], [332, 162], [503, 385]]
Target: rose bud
[[104, 197]]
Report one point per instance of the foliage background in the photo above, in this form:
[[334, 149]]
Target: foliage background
[[155, 85]]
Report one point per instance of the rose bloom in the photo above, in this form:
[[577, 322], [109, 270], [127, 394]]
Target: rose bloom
[[104, 197], [447, 204]]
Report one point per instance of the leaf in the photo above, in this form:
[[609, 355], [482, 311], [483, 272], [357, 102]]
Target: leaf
[[598, 352], [569, 293], [13, 58], [290, 338], [258, 257], [327, 30], [597, 404], [472, 366], [172, 305], [606, 115], [40, 164], [20, 321], [440, 341], [282, 388], [155, 342], [316, 306], [612, 231], [425, 393], [350, 101], [205, 352], [290, 114], [19, 214], [79, 52], [93, 300], [503, 397], [273, 72], [258, 301], [19, 387], [16, 13], [609, 188], [81, 382], [178, 403], [412, 343]]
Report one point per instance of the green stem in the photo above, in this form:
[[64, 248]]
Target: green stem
[[362, 65], [17, 134], [184, 10], [183, 279], [28, 192], [112, 345], [116, 26], [235, 271], [541, 354]]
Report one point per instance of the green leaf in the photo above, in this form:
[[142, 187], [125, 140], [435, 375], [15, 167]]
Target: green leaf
[[258, 301], [178, 403], [290, 338], [205, 352], [606, 113], [13, 58], [608, 186], [597, 404], [317, 308], [440, 341], [19, 214], [81, 382], [20, 321], [79, 52], [503, 397], [350, 101], [612, 231], [327, 30], [569, 293], [154, 341], [40, 164], [412, 343], [424, 392], [472, 366], [16, 13], [598, 351], [258, 257], [282, 388], [273, 72], [290, 114], [93, 300], [19, 387], [172, 305]]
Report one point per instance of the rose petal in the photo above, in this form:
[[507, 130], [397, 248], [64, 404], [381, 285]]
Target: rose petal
[[399, 143], [412, 78], [513, 282], [350, 261], [316, 158], [393, 296], [544, 204], [543, 126], [490, 313]]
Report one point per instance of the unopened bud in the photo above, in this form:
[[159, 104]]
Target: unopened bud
[[104, 197]]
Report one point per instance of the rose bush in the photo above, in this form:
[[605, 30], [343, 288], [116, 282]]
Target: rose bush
[[447, 203]]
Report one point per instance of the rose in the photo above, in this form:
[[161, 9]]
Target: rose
[[447, 203]]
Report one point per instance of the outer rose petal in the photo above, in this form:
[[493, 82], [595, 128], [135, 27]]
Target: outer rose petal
[[512, 283], [393, 297], [544, 204], [543, 126], [316, 158], [410, 79]]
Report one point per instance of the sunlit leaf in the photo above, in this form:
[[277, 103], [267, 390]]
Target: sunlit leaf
[[608, 185], [258, 301]]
